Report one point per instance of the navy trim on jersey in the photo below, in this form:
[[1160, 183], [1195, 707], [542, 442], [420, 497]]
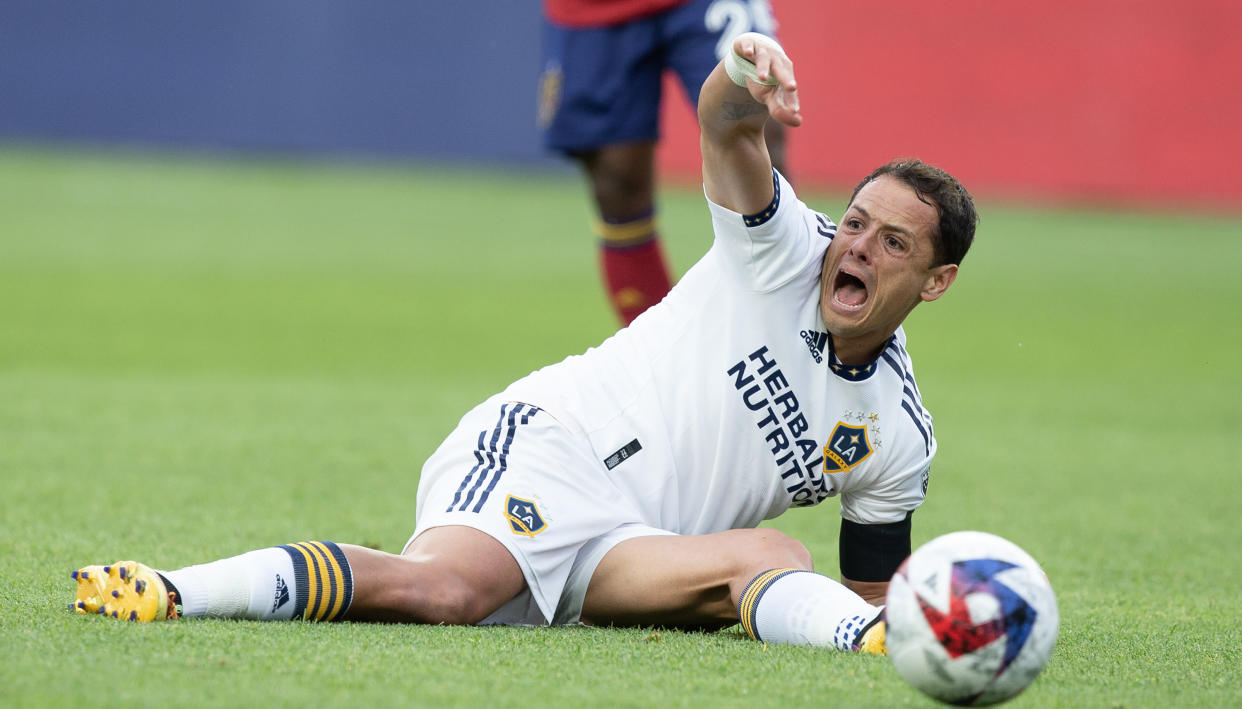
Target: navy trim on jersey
[[492, 456], [911, 400], [917, 399], [917, 424], [763, 216], [901, 373], [914, 385], [826, 227], [853, 374], [859, 372]]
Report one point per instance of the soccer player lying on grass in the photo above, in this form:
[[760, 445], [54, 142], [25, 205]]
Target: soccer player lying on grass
[[623, 486]]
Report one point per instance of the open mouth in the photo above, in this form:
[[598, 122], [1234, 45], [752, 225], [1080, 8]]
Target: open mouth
[[849, 290]]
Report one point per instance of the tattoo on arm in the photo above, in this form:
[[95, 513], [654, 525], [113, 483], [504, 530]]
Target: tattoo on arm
[[740, 111]]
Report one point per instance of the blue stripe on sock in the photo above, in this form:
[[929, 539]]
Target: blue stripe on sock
[[301, 580], [347, 575]]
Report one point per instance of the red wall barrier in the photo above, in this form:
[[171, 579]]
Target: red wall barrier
[[1121, 101]]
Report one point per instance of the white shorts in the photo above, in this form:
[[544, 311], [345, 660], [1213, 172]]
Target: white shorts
[[512, 471]]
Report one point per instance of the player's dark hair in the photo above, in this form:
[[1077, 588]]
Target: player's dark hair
[[941, 190]]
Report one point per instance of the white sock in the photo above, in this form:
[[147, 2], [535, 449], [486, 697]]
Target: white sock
[[795, 607], [310, 580]]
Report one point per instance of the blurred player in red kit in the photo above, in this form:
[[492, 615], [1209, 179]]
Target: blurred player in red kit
[[599, 103]]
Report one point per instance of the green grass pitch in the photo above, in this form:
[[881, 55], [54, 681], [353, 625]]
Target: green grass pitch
[[198, 358]]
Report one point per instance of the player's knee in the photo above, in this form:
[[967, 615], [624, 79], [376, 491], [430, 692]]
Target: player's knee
[[446, 601], [622, 179], [421, 592], [619, 183], [763, 549], [457, 605]]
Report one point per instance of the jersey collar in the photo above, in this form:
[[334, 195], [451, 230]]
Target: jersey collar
[[855, 372]]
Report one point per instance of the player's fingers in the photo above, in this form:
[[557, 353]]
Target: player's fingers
[[786, 77], [780, 67], [772, 66], [763, 64], [785, 108], [793, 120], [745, 47], [789, 98]]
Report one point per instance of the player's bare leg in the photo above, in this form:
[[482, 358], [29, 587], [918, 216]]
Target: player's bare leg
[[622, 180], [692, 581], [760, 577], [622, 177], [450, 575]]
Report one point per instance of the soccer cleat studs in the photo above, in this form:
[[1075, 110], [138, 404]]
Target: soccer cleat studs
[[124, 590]]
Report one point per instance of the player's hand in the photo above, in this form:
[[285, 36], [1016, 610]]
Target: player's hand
[[771, 64]]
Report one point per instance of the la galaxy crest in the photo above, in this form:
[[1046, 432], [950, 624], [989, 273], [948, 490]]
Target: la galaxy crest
[[523, 516], [846, 448]]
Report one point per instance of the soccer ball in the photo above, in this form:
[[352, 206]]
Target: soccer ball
[[971, 619]]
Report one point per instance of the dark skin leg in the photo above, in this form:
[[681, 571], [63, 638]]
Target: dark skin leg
[[621, 178]]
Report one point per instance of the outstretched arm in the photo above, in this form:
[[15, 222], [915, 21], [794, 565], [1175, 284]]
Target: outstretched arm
[[737, 170]]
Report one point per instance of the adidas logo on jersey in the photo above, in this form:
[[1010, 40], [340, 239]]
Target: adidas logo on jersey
[[816, 342], [282, 594]]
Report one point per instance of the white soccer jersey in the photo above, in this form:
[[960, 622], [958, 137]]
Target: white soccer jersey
[[723, 405]]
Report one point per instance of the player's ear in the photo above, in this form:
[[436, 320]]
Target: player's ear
[[938, 281]]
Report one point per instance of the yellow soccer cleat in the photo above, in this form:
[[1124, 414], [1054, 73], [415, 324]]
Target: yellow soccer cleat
[[870, 639], [126, 590], [92, 585]]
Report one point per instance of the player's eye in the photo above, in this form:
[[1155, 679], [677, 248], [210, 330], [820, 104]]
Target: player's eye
[[894, 243]]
